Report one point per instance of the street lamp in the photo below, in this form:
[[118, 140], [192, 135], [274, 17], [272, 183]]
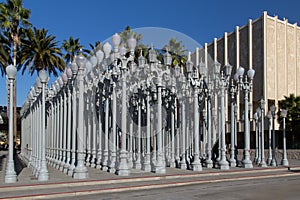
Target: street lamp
[[273, 112], [10, 174], [233, 91], [269, 116], [223, 82], [284, 160], [262, 115], [80, 171], [246, 86], [43, 173], [123, 167]]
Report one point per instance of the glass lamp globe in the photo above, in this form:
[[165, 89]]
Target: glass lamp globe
[[240, 71], [11, 72], [69, 72], [251, 73], [74, 67], [80, 60], [107, 49], [217, 67], [116, 40], [131, 42], [64, 78], [99, 55], [43, 75]]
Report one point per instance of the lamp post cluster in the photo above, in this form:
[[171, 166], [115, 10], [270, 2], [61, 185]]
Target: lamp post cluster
[[35, 106], [116, 111]]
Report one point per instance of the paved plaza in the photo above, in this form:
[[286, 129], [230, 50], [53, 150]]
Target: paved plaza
[[104, 184]]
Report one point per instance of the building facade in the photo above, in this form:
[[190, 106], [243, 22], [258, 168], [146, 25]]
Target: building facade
[[268, 45]]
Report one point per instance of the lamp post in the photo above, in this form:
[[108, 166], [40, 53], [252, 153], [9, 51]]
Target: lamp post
[[123, 166], [255, 117], [223, 82], [246, 86], [43, 173], [262, 136], [269, 116], [274, 160], [284, 160], [80, 171], [233, 90], [10, 174]]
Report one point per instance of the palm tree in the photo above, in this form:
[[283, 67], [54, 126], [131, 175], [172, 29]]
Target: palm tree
[[14, 19], [5, 58], [94, 48], [72, 47], [41, 51]]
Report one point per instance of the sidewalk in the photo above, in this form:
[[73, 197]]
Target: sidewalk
[[99, 181]]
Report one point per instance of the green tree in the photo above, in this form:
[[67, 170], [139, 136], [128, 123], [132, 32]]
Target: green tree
[[14, 20], [94, 48], [5, 57], [127, 33], [41, 51], [72, 47], [178, 52], [292, 105]]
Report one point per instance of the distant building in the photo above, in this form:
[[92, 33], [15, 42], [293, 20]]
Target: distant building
[[268, 45]]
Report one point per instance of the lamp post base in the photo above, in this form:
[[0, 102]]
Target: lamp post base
[[232, 162], [273, 162], [247, 164], [209, 163], [80, 173], [262, 163], [197, 167], [285, 162], [10, 175], [224, 165], [123, 168]]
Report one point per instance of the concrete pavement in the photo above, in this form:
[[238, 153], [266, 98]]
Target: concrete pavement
[[61, 185]]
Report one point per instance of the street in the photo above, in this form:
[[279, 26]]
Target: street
[[287, 188]]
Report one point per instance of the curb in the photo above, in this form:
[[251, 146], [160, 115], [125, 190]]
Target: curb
[[135, 179], [145, 187]]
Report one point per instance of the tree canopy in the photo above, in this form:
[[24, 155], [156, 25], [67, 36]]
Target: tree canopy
[[292, 105]]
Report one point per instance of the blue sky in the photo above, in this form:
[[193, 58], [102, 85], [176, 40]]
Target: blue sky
[[96, 20]]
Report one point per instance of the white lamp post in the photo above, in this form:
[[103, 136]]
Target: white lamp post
[[223, 81], [80, 171], [123, 166], [262, 109], [274, 160], [233, 91], [10, 174], [43, 173], [246, 87], [269, 116], [284, 160]]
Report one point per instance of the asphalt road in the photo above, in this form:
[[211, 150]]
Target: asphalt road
[[287, 188]]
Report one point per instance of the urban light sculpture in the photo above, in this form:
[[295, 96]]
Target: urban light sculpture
[[131, 42], [262, 162], [43, 173], [273, 112], [269, 116], [233, 91], [284, 160], [222, 79], [10, 174], [246, 87], [80, 171]]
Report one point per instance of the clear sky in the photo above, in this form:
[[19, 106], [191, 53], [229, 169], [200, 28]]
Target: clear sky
[[97, 20]]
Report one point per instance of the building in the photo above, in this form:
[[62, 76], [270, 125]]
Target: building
[[271, 47]]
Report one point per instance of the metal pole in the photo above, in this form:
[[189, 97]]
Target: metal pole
[[80, 171], [10, 174], [284, 161]]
